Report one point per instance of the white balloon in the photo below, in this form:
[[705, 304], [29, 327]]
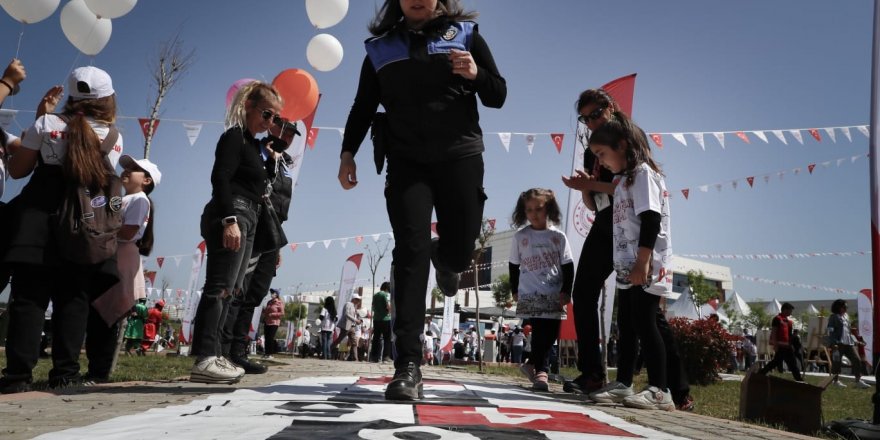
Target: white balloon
[[29, 11], [84, 29], [110, 8], [326, 13], [324, 52]]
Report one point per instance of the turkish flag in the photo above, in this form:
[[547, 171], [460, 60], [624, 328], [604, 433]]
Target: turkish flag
[[815, 134], [743, 136], [658, 139], [160, 260], [145, 126], [810, 167], [685, 192], [622, 90], [751, 180], [557, 140], [292, 247], [313, 134]]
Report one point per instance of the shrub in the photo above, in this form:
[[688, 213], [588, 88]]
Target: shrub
[[705, 348]]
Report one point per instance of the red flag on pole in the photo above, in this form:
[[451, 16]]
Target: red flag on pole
[[622, 90], [874, 150], [557, 140], [145, 126]]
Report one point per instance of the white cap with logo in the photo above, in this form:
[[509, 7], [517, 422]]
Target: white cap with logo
[[131, 163], [89, 83]]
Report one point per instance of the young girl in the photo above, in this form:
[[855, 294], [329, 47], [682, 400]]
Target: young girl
[[541, 274], [328, 326], [642, 254]]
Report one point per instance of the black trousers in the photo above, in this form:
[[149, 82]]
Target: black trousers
[[271, 347], [413, 190], [100, 344], [594, 266], [784, 354], [637, 322], [32, 288], [676, 375], [380, 348], [240, 310], [544, 332]]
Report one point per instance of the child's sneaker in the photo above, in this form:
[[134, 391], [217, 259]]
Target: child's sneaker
[[614, 392], [687, 404], [540, 383], [528, 370], [212, 370], [861, 384], [839, 384], [651, 398]]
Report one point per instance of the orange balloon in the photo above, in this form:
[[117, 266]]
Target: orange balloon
[[299, 333], [299, 90]]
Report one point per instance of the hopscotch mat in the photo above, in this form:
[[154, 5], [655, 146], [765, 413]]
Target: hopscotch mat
[[329, 408]]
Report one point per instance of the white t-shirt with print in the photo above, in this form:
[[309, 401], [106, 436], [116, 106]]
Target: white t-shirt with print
[[327, 324], [540, 256], [48, 135], [647, 193], [136, 211]]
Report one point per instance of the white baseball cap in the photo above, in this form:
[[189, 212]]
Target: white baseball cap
[[129, 163], [355, 296], [89, 83]]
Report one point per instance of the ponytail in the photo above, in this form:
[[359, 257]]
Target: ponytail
[[145, 244], [84, 162]]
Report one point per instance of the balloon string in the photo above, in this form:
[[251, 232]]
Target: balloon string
[[20, 37]]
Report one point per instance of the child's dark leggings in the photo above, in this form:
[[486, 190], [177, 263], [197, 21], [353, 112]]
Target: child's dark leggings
[[544, 333], [637, 321]]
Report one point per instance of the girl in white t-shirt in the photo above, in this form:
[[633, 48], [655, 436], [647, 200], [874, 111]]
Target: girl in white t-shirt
[[541, 275], [642, 254]]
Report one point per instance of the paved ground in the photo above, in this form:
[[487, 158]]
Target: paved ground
[[27, 415]]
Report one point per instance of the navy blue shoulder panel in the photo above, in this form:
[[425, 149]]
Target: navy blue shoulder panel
[[394, 46]]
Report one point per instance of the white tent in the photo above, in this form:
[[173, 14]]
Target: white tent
[[773, 308], [812, 310], [684, 307], [739, 304]]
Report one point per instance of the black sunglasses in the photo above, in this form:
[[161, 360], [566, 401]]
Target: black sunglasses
[[595, 114], [269, 114]]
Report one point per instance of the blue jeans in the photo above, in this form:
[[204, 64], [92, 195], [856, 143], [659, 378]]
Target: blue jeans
[[224, 273], [326, 341]]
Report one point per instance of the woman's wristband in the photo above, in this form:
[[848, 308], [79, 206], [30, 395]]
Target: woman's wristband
[[9, 86]]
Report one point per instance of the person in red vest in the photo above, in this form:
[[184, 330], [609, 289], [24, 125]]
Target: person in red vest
[[780, 339], [151, 326]]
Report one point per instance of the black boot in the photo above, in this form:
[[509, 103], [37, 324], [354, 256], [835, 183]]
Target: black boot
[[406, 384], [240, 358], [447, 280]]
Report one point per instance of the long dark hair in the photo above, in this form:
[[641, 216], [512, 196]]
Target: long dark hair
[[620, 132], [547, 195], [84, 162], [837, 306], [595, 96], [390, 14], [330, 307], [145, 244]]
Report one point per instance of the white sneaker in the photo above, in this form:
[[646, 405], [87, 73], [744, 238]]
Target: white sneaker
[[839, 384], [614, 392], [861, 384], [528, 370], [212, 370], [229, 364], [651, 398]]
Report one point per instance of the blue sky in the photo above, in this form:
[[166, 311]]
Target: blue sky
[[702, 67]]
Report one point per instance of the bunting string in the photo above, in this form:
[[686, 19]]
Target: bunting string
[[789, 256], [792, 284]]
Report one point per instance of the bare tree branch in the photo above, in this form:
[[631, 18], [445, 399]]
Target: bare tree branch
[[169, 66]]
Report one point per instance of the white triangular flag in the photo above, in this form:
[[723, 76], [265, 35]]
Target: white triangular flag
[[831, 134], [796, 171], [797, 135], [720, 136], [840, 161], [779, 135], [327, 243], [343, 242], [530, 142], [6, 118], [864, 130], [376, 237], [505, 140], [680, 137], [341, 132], [309, 244], [845, 131], [699, 138], [704, 188], [760, 134], [176, 260], [718, 187], [192, 132], [781, 175], [854, 159], [766, 178], [734, 184], [826, 164]]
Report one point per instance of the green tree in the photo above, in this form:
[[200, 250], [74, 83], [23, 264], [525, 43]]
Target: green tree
[[437, 296], [295, 311], [487, 230], [758, 318], [501, 291], [704, 291]]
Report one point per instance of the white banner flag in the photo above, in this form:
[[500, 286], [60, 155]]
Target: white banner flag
[[720, 136], [846, 133], [197, 258], [830, 132], [699, 138], [6, 118], [448, 324], [864, 130], [530, 142], [189, 315], [760, 135], [797, 135], [680, 137], [780, 135], [505, 140], [866, 322], [192, 132], [346, 283]]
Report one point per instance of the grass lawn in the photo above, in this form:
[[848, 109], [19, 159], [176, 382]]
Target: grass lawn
[[129, 368], [722, 398]]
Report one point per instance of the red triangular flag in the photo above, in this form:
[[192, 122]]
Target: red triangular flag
[[743, 136], [751, 181], [491, 222], [313, 134], [685, 192], [145, 126], [815, 134], [292, 247], [557, 140], [810, 167], [434, 228], [622, 90], [160, 260], [151, 275], [657, 139], [359, 239]]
